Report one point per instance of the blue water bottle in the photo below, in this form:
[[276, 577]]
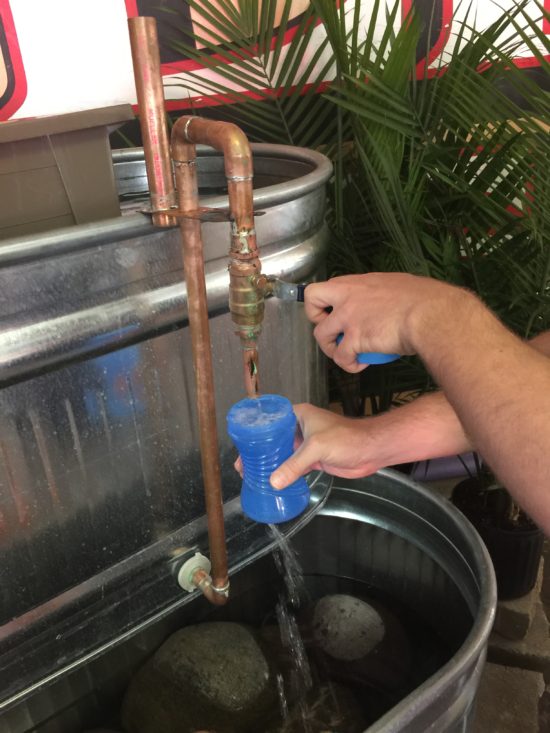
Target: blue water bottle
[[262, 430]]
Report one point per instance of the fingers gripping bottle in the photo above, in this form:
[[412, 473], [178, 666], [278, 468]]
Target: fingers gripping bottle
[[262, 430]]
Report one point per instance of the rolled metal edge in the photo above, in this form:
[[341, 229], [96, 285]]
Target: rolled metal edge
[[77, 238], [29, 349]]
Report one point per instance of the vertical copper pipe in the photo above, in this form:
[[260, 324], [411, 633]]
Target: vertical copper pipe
[[246, 302], [150, 96], [145, 54], [193, 262]]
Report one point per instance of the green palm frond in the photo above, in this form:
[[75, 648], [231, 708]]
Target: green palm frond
[[274, 96], [442, 165], [446, 175]]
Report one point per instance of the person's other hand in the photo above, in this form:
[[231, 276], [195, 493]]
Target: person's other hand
[[376, 312], [326, 442]]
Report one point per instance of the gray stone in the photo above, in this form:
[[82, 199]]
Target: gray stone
[[361, 643], [212, 676], [532, 652], [508, 700], [345, 627], [513, 618]]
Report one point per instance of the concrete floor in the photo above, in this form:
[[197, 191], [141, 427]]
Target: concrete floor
[[508, 700]]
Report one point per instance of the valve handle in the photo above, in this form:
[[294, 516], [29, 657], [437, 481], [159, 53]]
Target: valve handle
[[371, 357], [366, 357]]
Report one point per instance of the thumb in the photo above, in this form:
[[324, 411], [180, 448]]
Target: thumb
[[301, 462]]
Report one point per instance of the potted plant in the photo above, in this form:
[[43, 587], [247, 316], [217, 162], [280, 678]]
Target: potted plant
[[513, 540]]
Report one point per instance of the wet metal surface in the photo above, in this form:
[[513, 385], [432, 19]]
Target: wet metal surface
[[383, 531], [99, 459]]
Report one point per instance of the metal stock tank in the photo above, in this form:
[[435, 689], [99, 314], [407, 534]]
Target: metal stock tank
[[99, 460], [100, 488]]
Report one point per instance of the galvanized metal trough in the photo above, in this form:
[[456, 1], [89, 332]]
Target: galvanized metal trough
[[100, 485]]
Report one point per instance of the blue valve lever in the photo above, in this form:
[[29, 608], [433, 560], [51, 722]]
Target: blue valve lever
[[291, 291], [371, 357]]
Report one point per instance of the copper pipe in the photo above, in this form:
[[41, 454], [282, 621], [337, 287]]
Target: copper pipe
[[205, 584], [250, 371], [150, 97], [246, 301], [145, 54], [197, 308]]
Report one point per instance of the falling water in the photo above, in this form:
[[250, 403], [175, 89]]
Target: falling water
[[292, 640], [301, 680], [289, 568], [283, 703]]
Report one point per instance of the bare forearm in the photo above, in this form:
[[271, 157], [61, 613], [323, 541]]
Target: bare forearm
[[426, 428], [499, 388], [541, 343], [496, 387]]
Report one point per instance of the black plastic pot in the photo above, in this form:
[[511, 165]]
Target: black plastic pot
[[514, 550]]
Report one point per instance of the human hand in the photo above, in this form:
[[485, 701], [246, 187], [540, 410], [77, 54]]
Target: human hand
[[378, 312], [325, 442]]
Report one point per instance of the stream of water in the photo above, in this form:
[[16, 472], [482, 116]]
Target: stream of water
[[341, 652], [301, 680], [349, 669], [286, 562], [315, 705]]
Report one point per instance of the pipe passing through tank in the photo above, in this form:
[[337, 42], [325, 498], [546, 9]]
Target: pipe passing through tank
[[179, 204]]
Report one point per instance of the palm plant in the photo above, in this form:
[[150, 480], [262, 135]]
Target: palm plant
[[443, 175]]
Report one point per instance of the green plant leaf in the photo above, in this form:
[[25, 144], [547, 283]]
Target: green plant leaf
[[447, 175]]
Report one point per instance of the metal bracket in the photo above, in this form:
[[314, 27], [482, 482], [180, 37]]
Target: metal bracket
[[203, 213]]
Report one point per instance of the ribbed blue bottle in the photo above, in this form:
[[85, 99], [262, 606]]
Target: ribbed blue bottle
[[262, 430]]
